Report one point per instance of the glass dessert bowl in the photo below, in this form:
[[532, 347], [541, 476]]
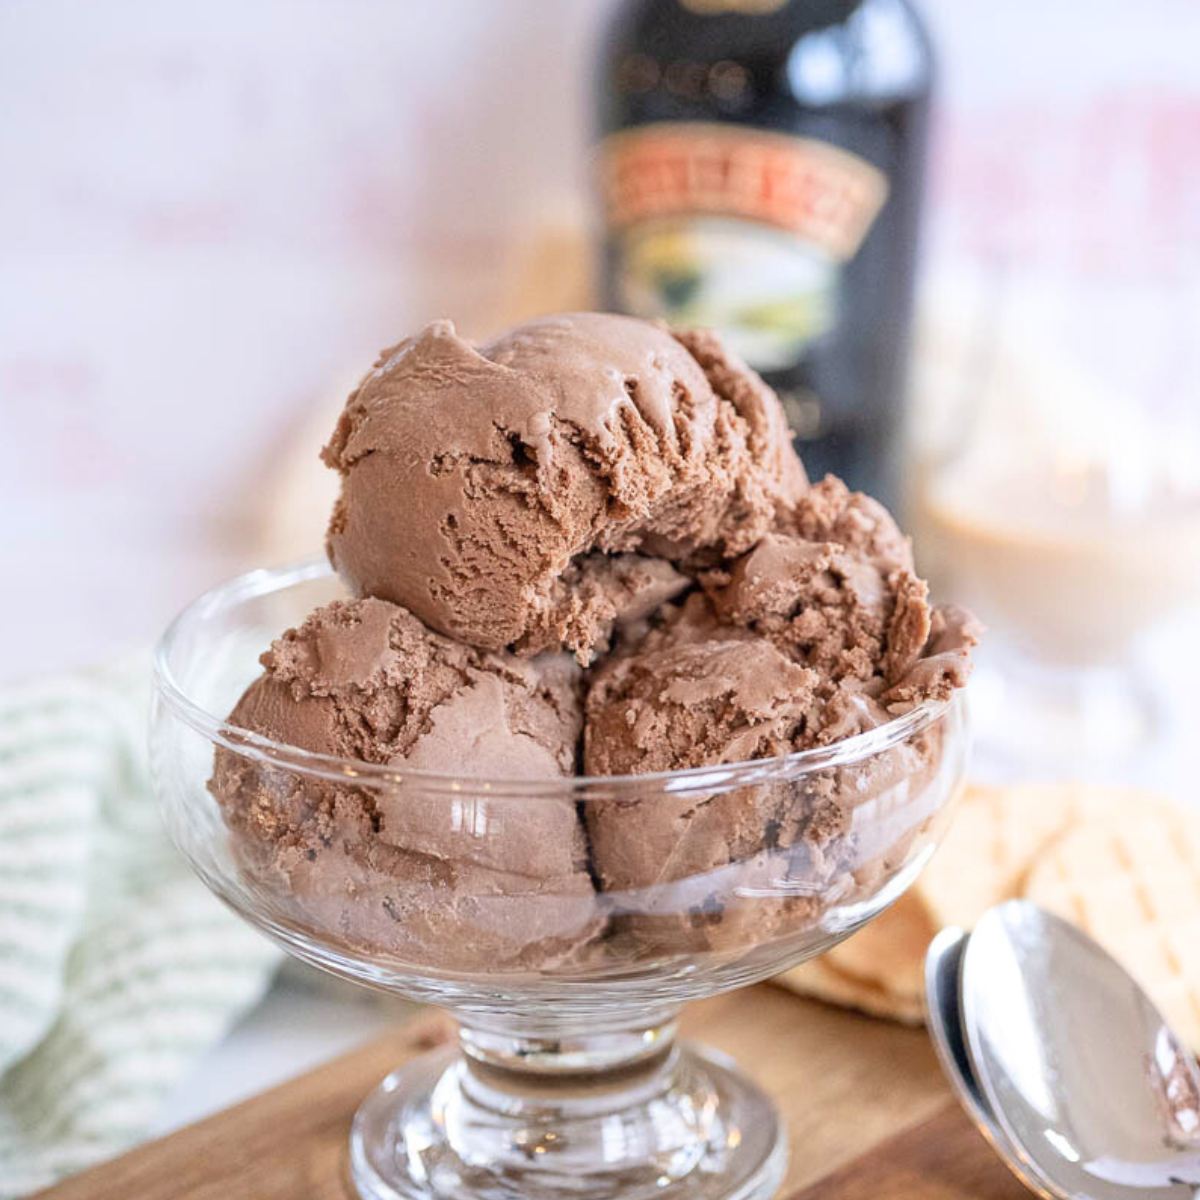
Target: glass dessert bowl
[[488, 897]]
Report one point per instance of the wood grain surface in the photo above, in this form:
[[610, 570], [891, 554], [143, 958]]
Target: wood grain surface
[[868, 1114]]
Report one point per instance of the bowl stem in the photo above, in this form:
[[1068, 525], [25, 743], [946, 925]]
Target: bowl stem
[[629, 1112]]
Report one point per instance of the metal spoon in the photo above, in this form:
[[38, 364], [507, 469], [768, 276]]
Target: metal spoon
[[1071, 1072], [943, 967]]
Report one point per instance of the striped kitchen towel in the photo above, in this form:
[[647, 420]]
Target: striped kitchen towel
[[117, 968]]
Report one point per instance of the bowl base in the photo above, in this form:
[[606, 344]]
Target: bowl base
[[687, 1125]]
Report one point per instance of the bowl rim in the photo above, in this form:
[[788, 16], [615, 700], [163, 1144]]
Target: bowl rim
[[264, 581]]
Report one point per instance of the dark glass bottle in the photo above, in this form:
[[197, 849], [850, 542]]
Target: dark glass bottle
[[762, 166]]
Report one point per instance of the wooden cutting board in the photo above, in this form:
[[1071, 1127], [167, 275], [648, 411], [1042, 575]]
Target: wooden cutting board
[[868, 1113]]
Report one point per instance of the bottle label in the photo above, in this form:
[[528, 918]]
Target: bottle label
[[742, 230]]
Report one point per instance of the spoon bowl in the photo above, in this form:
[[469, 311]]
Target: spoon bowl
[[1087, 1087]]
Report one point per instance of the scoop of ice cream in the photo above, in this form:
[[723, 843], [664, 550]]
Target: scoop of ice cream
[[807, 638], [834, 587], [474, 479], [850, 607], [726, 698], [822, 606], [830, 512], [686, 869], [444, 878], [727, 864]]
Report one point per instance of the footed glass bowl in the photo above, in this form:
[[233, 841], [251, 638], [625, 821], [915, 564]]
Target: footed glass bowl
[[486, 897]]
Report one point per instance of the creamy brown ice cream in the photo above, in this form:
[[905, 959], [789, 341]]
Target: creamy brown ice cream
[[830, 512], [796, 644], [838, 630], [601, 485], [695, 693], [719, 697], [445, 881], [483, 488], [838, 593]]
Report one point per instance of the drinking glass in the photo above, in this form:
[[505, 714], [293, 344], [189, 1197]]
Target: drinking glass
[[1058, 496]]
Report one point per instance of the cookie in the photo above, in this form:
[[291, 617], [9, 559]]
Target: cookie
[[1133, 883], [820, 980], [997, 838]]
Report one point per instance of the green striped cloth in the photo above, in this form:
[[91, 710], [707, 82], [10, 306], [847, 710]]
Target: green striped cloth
[[118, 970]]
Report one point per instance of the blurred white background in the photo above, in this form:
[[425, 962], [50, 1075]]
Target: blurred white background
[[212, 215]]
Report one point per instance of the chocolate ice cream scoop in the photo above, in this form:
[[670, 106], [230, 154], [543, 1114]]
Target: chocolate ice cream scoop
[[693, 869], [727, 697], [445, 880], [483, 488], [796, 644], [822, 606], [850, 607], [830, 512]]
